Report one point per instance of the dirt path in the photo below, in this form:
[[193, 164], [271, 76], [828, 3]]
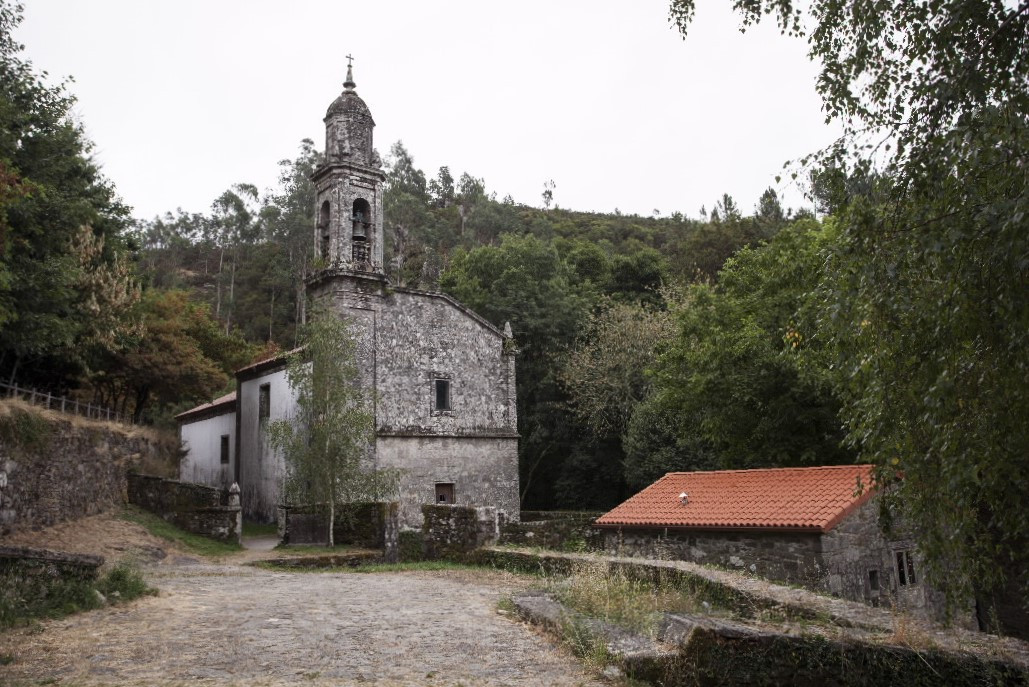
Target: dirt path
[[229, 624]]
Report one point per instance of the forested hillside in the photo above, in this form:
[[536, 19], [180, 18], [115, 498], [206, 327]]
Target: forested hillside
[[559, 277], [892, 328]]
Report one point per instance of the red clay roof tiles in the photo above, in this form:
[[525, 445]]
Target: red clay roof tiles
[[813, 499]]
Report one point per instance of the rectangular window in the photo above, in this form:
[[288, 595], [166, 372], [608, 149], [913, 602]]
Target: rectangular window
[[444, 492], [225, 449], [442, 394], [873, 580], [905, 568], [264, 402]]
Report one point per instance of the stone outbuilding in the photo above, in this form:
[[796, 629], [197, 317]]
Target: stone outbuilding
[[440, 377], [816, 527]]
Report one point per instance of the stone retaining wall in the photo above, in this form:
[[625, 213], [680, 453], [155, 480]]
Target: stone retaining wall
[[31, 578], [55, 468], [562, 530], [450, 531], [197, 508]]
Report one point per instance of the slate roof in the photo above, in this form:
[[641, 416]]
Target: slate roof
[[212, 408], [808, 499]]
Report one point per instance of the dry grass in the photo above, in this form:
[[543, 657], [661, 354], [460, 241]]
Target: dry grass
[[8, 405], [618, 599], [910, 633], [162, 463]]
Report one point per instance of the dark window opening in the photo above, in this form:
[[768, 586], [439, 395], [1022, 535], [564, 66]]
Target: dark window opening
[[225, 449], [873, 580], [323, 228], [362, 220], [442, 394], [445, 492], [905, 568], [264, 402]]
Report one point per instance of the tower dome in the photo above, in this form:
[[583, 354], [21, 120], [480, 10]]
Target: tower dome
[[348, 127]]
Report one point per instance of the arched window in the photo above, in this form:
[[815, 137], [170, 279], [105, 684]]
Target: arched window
[[362, 220], [323, 229]]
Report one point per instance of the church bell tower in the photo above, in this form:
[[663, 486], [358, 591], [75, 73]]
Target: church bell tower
[[348, 191]]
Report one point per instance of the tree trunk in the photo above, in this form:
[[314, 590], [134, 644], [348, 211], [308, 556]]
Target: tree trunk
[[332, 518], [142, 394], [218, 284], [271, 316], [232, 294]]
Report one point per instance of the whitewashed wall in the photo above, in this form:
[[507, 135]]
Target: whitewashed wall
[[202, 440], [261, 468]]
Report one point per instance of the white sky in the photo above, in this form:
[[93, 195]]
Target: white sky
[[184, 98]]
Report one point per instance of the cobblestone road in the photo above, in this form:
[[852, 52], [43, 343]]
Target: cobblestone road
[[231, 624]]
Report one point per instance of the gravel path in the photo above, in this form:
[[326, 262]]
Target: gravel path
[[232, 624]]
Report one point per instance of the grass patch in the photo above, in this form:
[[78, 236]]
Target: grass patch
[[25, 428], [194, 543], [26, 593], [260, 529], [621, 600]]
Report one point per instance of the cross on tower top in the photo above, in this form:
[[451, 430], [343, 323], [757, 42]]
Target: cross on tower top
[[349, 83]]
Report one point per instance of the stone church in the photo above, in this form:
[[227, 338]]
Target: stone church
[[443, 377]]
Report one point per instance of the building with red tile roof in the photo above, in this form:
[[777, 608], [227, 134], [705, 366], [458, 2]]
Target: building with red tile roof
[[817, 527], [794, 499]]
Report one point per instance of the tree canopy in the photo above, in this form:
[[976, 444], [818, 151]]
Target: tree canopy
[[924, 300]]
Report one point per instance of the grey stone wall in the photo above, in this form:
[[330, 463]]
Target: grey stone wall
[[857, 547], [421, 337], [793, 557], [484, 472], [566, 530], [198, 508], [452, 531], [54, 468]]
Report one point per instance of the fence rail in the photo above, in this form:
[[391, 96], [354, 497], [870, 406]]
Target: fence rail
[[62, 404]]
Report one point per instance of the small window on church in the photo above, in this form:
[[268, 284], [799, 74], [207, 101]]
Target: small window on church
[[225, 449], [444, 492], [906, 568], [264, 402], [442, 394]]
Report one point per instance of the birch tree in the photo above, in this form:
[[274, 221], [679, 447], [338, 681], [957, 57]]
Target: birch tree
[[326, 443]]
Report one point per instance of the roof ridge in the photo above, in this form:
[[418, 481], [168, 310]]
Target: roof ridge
[[797, 469]]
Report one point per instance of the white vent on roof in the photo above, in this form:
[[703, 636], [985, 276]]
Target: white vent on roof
[[684, 498]]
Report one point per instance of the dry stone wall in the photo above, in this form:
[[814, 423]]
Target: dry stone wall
[[55, 468], [197, 508]]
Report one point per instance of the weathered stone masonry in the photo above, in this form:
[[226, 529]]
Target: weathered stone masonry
[[60, 469]]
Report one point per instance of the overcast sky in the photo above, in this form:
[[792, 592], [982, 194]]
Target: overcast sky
[[184, 98]]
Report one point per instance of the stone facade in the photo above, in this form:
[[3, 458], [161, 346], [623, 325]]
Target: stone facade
[[793, 557], [853, 560], [441, 378]]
